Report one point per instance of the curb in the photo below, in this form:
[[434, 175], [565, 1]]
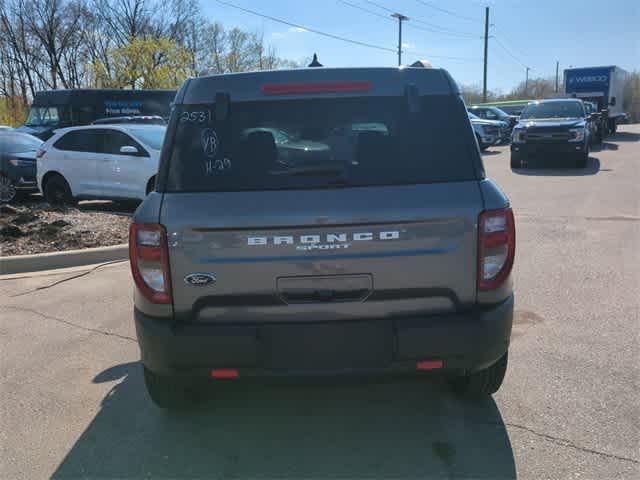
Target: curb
[[69, 258]]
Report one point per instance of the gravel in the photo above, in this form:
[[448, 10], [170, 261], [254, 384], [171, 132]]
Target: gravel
[[39, 228]]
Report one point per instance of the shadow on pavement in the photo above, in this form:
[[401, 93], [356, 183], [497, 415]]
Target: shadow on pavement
[[487, 153], [625, 137], [400, 428], [605, 146], [125, 207], [536, 169]]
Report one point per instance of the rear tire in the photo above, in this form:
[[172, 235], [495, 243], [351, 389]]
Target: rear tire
[[484, 382], [169, 392], [482, 147], [515, 163], [583, 159], [57, 191]]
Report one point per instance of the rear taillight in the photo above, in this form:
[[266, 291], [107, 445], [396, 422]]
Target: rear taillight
[[496, 247], [149, 259]]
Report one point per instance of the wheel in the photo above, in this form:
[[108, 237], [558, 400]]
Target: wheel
[[515, 162], [8, 191], [57, 191], [583, 158], [482, 147], [169, 392], [484, 382]]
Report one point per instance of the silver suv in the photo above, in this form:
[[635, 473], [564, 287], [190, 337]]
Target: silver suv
[[322, 222]]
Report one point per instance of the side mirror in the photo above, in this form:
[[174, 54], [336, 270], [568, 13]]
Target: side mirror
[[613, 101], [128, 150]]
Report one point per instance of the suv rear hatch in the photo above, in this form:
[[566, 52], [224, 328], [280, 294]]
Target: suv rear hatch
[[322, 208]]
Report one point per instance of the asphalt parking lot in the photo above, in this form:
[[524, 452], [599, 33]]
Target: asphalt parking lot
[[73, 405]]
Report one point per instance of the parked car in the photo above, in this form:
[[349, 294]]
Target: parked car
[[555, 129], [510, 107], [494, 113], [106, 161], [135, 119], [488, 132], [17, 164], [394, 256]]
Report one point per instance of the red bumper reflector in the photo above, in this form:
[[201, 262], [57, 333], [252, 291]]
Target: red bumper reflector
[[325, 87], [221, 373], [429, 364]]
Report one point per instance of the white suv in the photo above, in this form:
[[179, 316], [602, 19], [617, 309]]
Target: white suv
[[102, 161]]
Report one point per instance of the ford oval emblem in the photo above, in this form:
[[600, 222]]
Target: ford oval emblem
[[200, 279]]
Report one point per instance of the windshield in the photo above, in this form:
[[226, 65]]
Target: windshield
[[570, 109], [15, 142], [150, 136], [43, 116], [321, 143], [513, 109]]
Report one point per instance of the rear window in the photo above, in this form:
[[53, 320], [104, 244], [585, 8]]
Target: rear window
[[321, 143]]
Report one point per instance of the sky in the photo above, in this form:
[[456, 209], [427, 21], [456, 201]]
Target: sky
[[528, 33]]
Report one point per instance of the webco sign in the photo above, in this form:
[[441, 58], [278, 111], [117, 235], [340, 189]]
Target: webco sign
[[588, 79]]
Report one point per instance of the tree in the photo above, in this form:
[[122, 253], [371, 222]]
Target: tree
[[146, 63]]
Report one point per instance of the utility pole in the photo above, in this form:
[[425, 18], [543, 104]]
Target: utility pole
[[526, 82], [401, 18], [557, 67], [486, 51]]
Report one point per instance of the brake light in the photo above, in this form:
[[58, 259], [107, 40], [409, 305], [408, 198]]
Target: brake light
[[324, 87], [429, 364], [149, 257], [222, 373], [40, 152], [496, 247]]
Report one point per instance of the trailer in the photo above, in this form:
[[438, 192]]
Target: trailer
[[603, 86]]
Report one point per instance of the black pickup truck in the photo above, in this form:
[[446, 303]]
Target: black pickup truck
[[556, 130]]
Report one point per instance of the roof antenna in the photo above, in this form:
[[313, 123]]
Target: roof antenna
[[315, 62]]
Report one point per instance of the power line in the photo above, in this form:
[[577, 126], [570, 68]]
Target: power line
[[429, 55], [448, 12], [409, 51], [432, 27], [380, 6], [359, 7], [442, 32], [502, 34], [312, 30], [508, 52]]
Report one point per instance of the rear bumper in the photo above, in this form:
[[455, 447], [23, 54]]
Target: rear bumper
[[465, 342]]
